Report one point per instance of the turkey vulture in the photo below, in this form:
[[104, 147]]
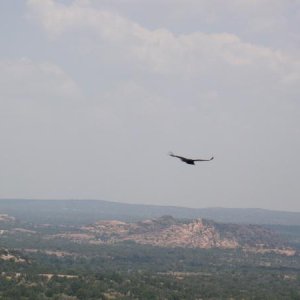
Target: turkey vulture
[[189, 160]]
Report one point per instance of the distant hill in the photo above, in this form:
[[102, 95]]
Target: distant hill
[[167, 231], [89, 211]]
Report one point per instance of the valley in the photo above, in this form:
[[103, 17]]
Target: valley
[[152, 258]]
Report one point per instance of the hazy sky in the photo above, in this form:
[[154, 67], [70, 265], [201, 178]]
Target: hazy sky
[[94, 94]]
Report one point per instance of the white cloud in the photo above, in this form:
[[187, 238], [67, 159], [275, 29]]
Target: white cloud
[[26, 80], [243, 74], [249, 19], [195, 54], [39, 109], [36, 98]]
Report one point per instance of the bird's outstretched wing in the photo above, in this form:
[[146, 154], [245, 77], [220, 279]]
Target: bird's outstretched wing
[[204, 159], [173, 155]]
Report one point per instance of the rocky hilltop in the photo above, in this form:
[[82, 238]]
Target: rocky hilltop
[[167, 231], [6, 218]]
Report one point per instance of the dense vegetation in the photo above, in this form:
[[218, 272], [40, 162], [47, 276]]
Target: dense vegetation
[[38, 263], [131, 271], [135, 272]]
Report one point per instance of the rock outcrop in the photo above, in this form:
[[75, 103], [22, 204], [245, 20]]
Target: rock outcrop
[[199, 233]]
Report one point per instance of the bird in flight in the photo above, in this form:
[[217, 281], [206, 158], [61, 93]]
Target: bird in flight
[[189, 160]]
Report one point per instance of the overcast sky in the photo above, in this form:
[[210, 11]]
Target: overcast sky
[[94, 94]]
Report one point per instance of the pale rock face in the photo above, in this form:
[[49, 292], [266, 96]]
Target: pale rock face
[[6, 218], [169, 232]]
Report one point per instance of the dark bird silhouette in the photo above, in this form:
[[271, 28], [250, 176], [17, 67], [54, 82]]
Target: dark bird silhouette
[[189, 160]]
